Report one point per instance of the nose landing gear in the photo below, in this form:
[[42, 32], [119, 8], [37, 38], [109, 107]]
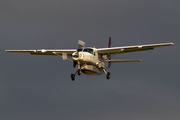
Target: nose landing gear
[[79, 72], [73, 75]]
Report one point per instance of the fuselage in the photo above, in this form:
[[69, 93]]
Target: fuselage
[[89, 61]]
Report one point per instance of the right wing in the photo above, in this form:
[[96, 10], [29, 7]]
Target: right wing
[[68, 52], [126, 49]]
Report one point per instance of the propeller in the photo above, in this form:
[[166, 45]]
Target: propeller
[[80, 44], [76, 54]]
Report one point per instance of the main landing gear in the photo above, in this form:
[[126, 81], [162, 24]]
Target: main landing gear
[[108, 75], [73, 75]]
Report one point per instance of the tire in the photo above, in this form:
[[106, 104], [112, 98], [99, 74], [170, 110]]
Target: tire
[[72, 77], [108, 75]]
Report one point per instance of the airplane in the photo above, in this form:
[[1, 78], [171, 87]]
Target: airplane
[[92, 61]]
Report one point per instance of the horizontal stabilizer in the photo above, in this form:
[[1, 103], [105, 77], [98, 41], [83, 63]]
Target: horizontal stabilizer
[[123, 61]]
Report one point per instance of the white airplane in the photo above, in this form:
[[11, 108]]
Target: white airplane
[[93, 61]]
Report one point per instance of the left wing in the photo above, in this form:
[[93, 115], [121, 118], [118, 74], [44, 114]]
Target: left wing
[[126, 49], [68, 52]]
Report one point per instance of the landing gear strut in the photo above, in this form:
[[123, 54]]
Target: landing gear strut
[[79, 72], [73, 75], [108, 75]]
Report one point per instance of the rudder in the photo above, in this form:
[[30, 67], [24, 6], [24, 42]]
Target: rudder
[[109, 45]]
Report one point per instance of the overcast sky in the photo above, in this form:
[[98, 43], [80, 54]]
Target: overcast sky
[[40, 87]]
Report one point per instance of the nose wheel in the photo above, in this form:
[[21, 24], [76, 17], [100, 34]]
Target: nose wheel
[[73, 75]]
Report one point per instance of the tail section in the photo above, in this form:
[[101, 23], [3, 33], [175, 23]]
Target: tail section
[[109, 42], [108, 56]]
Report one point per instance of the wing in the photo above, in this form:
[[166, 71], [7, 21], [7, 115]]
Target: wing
[[68, 52], [114, 61], [126, 49]]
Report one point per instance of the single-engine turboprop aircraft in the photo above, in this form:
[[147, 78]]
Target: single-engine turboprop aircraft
[[93, 61]]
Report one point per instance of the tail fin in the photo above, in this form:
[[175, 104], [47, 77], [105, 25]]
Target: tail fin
[[109, 45], [109, 42]]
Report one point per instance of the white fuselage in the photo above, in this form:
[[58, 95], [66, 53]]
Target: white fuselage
[[90, 62]]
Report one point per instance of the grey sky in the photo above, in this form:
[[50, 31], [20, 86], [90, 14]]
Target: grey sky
[[40, 88]]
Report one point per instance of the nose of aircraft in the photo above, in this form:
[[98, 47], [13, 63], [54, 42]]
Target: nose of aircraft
[[75, 55]]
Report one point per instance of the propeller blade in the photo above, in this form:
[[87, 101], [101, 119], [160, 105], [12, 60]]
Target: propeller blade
[[80, 44], [74, 63]]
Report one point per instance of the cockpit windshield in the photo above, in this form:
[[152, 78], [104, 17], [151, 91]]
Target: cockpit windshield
[[86, 50]]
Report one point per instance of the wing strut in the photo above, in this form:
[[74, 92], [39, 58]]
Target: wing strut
[[113, 55], [64, 56]]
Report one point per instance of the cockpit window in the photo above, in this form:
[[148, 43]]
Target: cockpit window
[[86, 50]]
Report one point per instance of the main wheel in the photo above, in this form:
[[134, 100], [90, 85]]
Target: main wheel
[[72, 77], [108, 75], [79, 72]]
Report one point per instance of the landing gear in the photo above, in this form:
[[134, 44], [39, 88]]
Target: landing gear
[[73, 75], [79, 72], [108, 75]]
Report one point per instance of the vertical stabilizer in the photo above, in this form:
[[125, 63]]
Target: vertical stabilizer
[[109, 42], [109, 45]]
